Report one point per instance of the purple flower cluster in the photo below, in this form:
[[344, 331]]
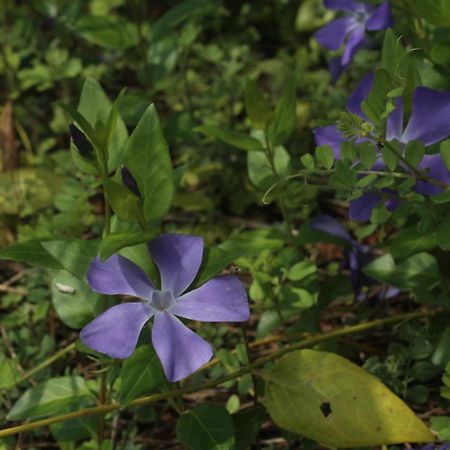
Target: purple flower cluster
[[350, 30], [178, 258], [428, 124]]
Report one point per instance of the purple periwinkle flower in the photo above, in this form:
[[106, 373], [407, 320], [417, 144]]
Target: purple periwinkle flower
[[427, 124], [350, 29], [356, 255], [178, 258]]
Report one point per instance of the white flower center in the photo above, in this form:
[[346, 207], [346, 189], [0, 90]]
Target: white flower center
[[161, 300]]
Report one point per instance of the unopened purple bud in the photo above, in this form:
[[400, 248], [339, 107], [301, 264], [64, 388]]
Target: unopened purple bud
[[129, 181], [81, 142]]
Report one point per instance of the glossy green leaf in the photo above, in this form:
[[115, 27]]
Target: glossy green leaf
[[148, 159], [141, 374], [247, 424], [74, 255], [206, 427], [122, 201], [325, 156], [414, 152], [233, 138], [95, 106], [74, 301], [256, 105], [283, 123], [9, 372], [325, 397], [107, 31], [30, 252], [50, 397], [445, 152], [411, 241], [117, 241]]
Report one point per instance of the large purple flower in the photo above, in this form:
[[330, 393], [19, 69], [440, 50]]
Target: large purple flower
[[428, 124], [178, 258], [350, 29]]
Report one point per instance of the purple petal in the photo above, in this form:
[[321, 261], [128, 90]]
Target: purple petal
[[118, 275], [332, 35], [342, 5], [179, 349], [394, 124], [329, 135], [330, 225], [438, 171], [178, 258], [361, 208], [359, 95], [116, 331], [221, 299], [429, 122], [336, 69], [353, 44], [381, 18]]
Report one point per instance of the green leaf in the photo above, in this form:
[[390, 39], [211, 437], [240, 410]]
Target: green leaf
[[325, 156], [122, 201], [437, 12], [50, 397], [443, 236], [414, 152], [107, 31], [367, 154], [117, 241], [75, 429], [141, 374], [326, 398], [284, 121], [375, 105], [233, 138], [420, 269], [74, 301], [206, 427], [9, 373], [30, 252], [247, 424], [74, 255], [96, 107], [445, 152], [411, 241], [147, 158], [301, 270], [256, 105]]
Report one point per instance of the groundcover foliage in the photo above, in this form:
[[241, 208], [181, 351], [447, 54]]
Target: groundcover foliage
[[224, 225]]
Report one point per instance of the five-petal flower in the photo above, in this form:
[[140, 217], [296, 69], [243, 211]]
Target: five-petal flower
[[178, 258], [350, 29], [428, 124]]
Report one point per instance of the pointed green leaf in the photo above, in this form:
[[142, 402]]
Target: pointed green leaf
[[233, 138], [141, 374], [117, 241], [147, 158], [50, 397], [325, 397], [284, 120], [206, 427], [256, 105]]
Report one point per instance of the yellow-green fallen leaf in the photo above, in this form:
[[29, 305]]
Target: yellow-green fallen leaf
[[327, 398]]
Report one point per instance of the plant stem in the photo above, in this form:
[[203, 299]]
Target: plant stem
[[45, 363], [420, 174], [249, 361], [259, 362]]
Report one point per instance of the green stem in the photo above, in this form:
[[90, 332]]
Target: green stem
[[103, 409], [420, 175], [249, 360], [45, 363]]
